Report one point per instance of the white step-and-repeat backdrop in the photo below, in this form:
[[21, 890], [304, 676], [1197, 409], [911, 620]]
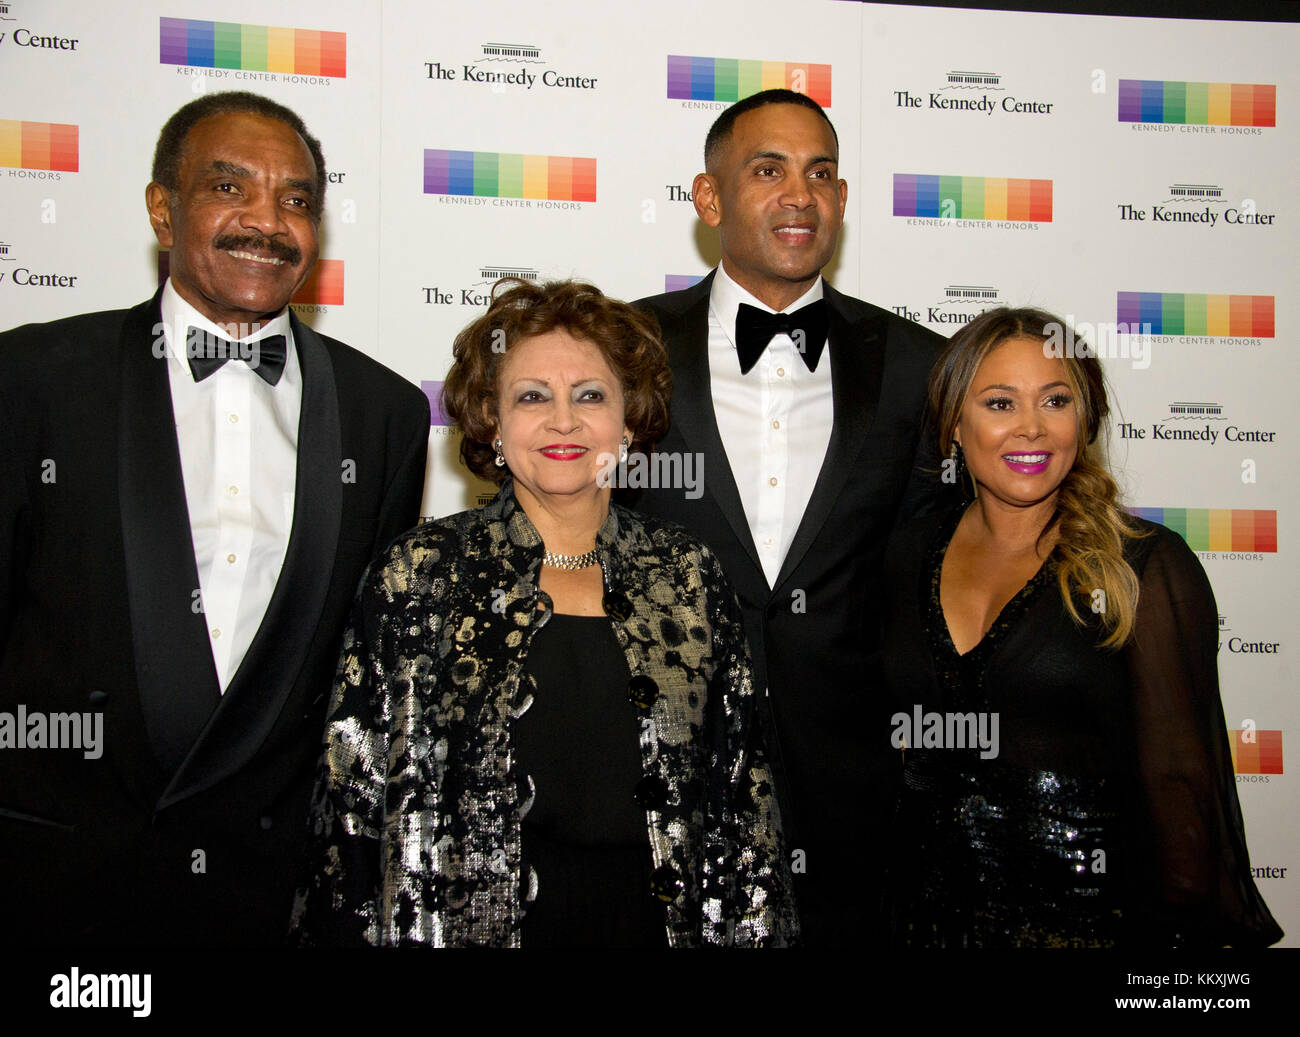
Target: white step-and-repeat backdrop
[[1121, 171]]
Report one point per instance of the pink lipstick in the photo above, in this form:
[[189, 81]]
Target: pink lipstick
[[1028, 463]]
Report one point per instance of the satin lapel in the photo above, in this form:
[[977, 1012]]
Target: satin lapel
[[175, 675], [693, 415], [857, 351], [257, 694]]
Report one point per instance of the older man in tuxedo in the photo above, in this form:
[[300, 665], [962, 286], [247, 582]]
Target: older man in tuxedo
[[806, 407], [190, 491]]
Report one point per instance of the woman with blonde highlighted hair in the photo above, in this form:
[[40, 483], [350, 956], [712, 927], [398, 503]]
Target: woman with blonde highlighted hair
[[1052, 669]]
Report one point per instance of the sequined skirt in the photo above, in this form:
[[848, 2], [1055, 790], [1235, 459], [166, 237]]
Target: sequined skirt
[[989, 855]]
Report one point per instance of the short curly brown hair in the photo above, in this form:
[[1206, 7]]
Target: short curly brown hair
[[627, 338]]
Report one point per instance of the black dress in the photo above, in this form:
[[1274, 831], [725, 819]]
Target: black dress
[[585, 841], [1105, 811]]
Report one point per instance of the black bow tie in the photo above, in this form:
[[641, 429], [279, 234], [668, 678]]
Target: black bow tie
[[207, 352], [807, 327]]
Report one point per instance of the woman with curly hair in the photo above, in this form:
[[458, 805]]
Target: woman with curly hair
[[1052, 669], [542, 731]]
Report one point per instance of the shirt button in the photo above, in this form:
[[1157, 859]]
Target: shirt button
[[780, 372], [772, 481], [233, 418], [216, 631], [776, 423], [231, 557], [233, 491]]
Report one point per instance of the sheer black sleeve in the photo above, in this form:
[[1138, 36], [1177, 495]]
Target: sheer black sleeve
[[1196, 884]]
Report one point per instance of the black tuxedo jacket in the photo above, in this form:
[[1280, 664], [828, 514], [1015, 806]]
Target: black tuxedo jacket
[[168, 837], [815, 634]]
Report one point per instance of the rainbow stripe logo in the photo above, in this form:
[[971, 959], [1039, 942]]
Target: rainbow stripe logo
[[1210, 104], [433, 391], [38, 145], [1261, 755], [325, 285], [730, 79], [972, 197], [490, 174], [680, 282], [257, 48], [1177, 313], [1218, 529]]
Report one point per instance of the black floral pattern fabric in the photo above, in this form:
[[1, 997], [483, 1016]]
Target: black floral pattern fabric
[[416, 816]]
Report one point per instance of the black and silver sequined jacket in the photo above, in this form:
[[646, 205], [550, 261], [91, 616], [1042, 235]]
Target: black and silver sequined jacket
[[416, 816]]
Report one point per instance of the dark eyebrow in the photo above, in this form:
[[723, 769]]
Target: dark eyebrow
[[594, 379], [231, 169], [1012, 388], [228, 168], [781, 157]]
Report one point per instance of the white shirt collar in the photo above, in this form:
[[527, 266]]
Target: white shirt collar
[[178, 316], [726, 296]]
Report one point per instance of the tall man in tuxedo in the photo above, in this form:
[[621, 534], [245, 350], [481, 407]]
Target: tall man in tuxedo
[[808, 425], [190, 491]]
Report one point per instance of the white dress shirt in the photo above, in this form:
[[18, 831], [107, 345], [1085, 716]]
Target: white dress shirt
[[238, 439], [775, 421]]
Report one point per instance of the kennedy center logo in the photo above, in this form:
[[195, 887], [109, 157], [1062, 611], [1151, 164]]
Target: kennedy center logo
[[547, 179], [503, 66], [38, 146], [478, 293], [25, 277], [324, 287], [1218, 529], [1203, 205], [925, 198], [1198, 317], [1256, 752], [731, 79], [252, 48], [961, 304], [1196, 422], [971, 93], [1204, 104]]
